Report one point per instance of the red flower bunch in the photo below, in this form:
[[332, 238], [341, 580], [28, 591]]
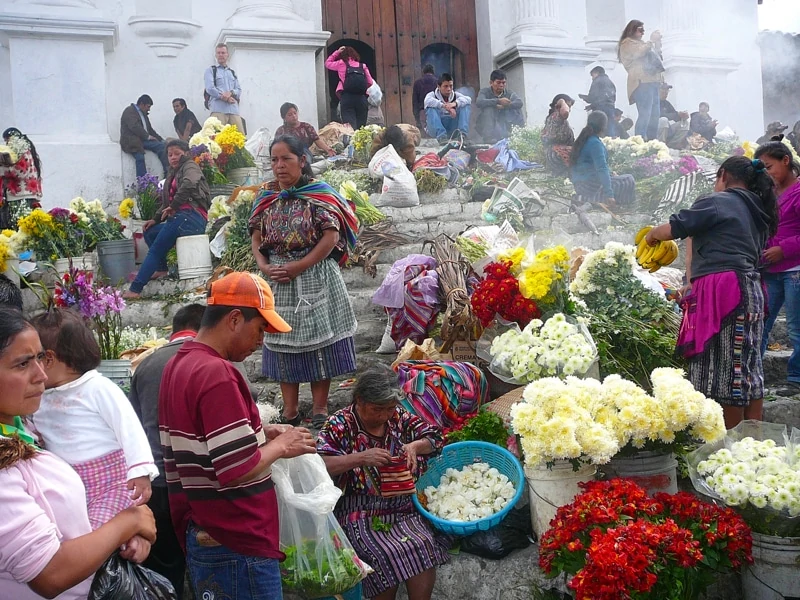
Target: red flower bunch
[[619, 543], [499, 294]]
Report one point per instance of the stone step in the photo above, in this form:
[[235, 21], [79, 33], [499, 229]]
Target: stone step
[[775, 367], [355, 278], [435, 210], [447, 195]]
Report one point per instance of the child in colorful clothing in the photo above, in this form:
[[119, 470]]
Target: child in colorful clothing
[[87, 421]]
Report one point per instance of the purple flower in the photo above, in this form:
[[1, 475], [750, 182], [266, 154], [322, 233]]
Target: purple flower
[[198, 150]]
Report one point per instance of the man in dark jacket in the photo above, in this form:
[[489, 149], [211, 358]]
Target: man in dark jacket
[[702, 123], [602, 96], [136, 135], [498, 109], [422, 86], [673, 126]]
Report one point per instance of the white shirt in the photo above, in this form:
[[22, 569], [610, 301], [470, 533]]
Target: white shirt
[[89, 418]]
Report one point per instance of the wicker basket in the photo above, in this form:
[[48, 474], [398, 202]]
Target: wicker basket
[[457, 456], [502, 406]]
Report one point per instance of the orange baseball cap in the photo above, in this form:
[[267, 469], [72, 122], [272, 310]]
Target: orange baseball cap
[[247, 290]]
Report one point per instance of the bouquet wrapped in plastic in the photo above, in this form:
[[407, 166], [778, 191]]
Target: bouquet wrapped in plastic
[[755, 469]]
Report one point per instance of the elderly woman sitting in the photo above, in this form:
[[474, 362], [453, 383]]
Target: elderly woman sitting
[[374, 450]]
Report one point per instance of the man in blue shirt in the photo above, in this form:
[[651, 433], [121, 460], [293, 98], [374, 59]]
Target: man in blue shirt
[[223, 91], [137, 135]]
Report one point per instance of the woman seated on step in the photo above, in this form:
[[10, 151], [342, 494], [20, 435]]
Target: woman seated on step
[[557, 135], [590, 174], [47, 546], [374, 451], [185, 200]]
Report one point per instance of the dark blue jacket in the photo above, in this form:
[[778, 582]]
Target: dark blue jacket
[[592, 165]]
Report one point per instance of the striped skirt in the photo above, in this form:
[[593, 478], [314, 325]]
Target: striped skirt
[[409, 548], [105, 480], [730, 369], [315, 365], [623, 186]]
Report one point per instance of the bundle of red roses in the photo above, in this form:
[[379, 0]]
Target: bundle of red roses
[[498, 294], [618, 542]]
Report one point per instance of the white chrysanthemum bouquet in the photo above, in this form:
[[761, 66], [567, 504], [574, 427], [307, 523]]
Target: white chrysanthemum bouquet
[[557, 347], [584, 419]]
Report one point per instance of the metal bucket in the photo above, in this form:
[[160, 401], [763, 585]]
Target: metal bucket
[[117, 260], [652, 471], [775, 572]]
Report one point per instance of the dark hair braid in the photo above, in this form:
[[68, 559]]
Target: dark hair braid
[[753, 174]]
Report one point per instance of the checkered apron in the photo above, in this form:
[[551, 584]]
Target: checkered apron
[[106, 486]]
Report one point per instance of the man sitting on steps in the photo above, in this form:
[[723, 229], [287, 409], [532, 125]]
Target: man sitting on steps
[[136, 135], [447, 111]]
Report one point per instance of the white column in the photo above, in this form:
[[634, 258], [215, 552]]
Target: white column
[[536, 18], [681, 26], [167, 29], [271, 15], [604, 23]]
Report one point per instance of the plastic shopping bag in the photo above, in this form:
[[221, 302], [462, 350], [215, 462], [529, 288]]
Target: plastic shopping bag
[[320, 561], [120, 579], [258, 145], [399, 186]]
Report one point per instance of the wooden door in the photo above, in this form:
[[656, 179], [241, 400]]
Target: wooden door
[[398, 34]]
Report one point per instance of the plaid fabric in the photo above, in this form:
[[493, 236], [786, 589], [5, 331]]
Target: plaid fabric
[[676, 196], [623, 186], [106, 486], [317, 307]]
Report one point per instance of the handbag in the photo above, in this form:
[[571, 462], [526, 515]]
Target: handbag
[[653, 65], [396, 479]]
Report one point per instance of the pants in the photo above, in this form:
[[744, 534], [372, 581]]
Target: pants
[[444, 126], [160, 240], [354, 109], [783, 289], [673, 134], [157, 148], [611, 129], [648, 105], [218, 572], [166, 556], [230, 119]]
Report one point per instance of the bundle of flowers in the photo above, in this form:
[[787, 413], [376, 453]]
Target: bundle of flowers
[[219, 209], [98, 226], [11, 244], [142, 200], [15, 148], [101, 306], [362, 141], [367, 214], [238, 253], [556, 347], [623, 154], [234, 155], [471, 493], [583, 419], [755, 474], [545, 279], [206, 161], [499, 294], [54, 234], [618, 543], [218, 149], [635, 330], [527, 142]]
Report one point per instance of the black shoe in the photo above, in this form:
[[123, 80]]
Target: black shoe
[[294, 422], [789, 389]]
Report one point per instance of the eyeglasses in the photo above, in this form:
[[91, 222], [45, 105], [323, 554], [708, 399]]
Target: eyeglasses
[[640, 29]]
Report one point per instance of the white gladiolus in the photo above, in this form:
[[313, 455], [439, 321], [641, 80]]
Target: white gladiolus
[[475, 492]]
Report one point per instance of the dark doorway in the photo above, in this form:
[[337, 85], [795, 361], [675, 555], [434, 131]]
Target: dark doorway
[[367, 55], [445, 59]]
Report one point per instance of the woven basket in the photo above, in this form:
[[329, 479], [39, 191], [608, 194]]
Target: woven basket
[[502, 406]]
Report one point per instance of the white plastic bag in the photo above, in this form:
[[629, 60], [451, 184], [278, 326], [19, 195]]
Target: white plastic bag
[[258, 145], [320, 561], [399, 186], [374, 95], [220, 242]]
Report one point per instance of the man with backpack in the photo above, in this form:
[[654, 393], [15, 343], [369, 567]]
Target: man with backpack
[[222, 90], [354, 81]]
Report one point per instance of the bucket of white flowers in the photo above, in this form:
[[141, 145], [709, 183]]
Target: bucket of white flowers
[[469, 487]]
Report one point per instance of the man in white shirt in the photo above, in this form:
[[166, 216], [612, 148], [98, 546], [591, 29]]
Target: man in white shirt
[[222, 90], [447, 111]]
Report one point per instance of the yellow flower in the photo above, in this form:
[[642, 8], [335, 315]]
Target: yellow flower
[[230, 138], [749, 149], [7, 233], [515, 256], [13, 155], [37, 224], [126, 208], [5, 254]]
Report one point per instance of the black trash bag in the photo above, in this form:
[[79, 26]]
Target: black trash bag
[[120, 579], [512, 533]]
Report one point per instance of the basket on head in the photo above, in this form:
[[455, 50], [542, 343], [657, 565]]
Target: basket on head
[[458, 456]]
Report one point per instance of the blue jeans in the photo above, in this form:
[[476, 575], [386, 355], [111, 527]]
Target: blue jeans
[[161, 238], [442, 126], [648, 104], [159, 149], [222, 574], [784, 289]]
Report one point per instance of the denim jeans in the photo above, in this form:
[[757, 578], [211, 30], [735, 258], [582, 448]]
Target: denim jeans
[[161, 238], [218, 573], [648, 104], [442, 126], [157, 148], [783, 289]]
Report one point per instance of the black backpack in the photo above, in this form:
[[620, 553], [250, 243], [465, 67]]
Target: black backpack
[[206, 95], [355, 80]]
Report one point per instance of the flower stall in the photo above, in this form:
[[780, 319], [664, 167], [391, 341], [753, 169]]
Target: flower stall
[[220, 152]]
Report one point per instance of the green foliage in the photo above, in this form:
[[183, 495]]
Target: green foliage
[[486, 426], [238, 253], [312, 572], [429, 182], [527, 141], [336, 177]]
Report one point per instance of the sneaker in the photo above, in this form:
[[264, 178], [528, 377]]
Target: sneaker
[[442, 139], [789, 389]]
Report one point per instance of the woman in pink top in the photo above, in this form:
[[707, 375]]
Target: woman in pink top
[[354, 81], [782, 256], [47, 547]]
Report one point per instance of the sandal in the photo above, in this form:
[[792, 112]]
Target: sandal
[[294, 421], [318, 420]]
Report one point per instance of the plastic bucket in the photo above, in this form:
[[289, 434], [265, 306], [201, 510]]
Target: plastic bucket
[[118, 371], [85, 263], [12, 270], [774, 574], [117, 260], [245, 176], [652, 471], [194, 256], [550, 489]]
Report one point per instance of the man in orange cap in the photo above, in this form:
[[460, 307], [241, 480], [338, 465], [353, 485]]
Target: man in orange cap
[[217, 457]]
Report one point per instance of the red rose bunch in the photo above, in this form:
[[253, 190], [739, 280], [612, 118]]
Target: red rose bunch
[[498, 294], [619, 543]]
